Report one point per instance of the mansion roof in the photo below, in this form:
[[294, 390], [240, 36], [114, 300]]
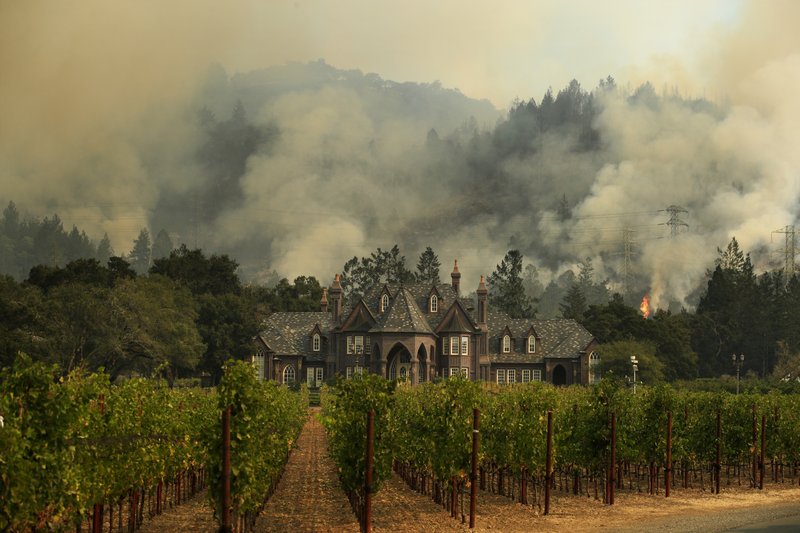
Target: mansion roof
[[409, 311]]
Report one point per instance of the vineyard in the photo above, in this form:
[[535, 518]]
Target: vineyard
[[603, 439], [81, 452]]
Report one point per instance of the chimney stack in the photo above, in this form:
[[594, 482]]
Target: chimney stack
[[336, 299], [323, 303], [456, 277], [483, 302]]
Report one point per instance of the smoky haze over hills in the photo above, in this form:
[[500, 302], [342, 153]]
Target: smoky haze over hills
[[299, 167]]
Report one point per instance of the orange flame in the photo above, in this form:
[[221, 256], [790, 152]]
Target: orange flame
[[644, 307]]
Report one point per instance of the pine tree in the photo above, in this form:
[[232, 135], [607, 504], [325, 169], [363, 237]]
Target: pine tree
[[506, 289], [162, 246], [428, 267], [139, 257], [104, 250]]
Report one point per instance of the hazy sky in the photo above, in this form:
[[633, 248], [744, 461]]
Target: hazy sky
[[494, 50], [91, 94]]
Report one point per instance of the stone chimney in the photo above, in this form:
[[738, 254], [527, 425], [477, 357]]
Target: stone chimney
[[483, 302], [323, 303], [455, 275], [336, 299]]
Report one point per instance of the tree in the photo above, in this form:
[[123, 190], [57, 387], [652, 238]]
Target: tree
[[506, 291], [574, 304], [201, 274], [428, 267], [615, 358], [140, 255], [162, 245], [104, 250], [227, 324]]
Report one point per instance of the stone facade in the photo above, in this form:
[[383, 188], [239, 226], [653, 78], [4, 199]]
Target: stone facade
[[418, 332]]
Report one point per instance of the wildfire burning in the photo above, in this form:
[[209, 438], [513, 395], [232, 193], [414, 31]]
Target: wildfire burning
[[644, 307]]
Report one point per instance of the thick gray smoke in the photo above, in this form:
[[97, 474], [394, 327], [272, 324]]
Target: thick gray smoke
[[100, 124]]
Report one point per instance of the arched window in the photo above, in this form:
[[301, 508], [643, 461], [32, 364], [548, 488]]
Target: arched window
[[434, 303], [384, 302], [531, 344], [506, 344], [315, 342], [288, 375]]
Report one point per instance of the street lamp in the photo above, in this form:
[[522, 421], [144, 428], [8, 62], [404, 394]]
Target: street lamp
[[635, 364], [737, 362]]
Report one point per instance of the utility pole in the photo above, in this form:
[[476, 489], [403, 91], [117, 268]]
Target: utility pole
[[788, 252], [627, 250], [674, 222]]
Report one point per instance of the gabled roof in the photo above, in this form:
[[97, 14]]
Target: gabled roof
[[420, 292], [403, 316], [359, 319], [556, 338], [288, 333], [457, 319]]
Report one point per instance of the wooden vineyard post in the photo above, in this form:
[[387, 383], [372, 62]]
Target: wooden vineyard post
[[761, 457], [754, 452], [548, 475], [668, 468], [473, 478], [717, 465], [227, 524], [612, 468], [97, 511], [368, 474]]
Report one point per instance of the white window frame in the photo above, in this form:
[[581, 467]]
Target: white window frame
[[316, 342], [445, 346], [349, 372], [531, 344], [465, 345], [310, 377], [454, 371], [511, 375], [367, 345], [537, 374], [320, 375], [465, 372], [526, 375], [434, 305], [384, 302], [349, 345], [501, 376], [506, 344], [454, 345], [359, 344], [288, 375]]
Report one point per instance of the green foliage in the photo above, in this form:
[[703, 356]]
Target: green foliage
[[345, 407], [615, 358], [265, 421], [71, 442], [506, 290], [215, 275], [428, 267]]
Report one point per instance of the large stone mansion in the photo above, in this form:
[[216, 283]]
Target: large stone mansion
[[418, 332]]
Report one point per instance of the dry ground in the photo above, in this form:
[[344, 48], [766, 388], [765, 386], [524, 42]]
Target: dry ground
[[308, 499]]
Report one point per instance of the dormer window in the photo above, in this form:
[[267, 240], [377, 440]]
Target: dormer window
[[531, 344], [506, 344], [384, 302], [316, 342], [434, 306]]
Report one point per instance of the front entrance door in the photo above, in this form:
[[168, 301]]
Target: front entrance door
[[559, 375], [314, 377]]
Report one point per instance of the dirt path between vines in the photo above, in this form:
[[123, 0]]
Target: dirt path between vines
[[309, 499]]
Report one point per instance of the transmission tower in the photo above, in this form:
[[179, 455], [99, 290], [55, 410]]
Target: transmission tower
[[627, 250], [674, 222], [788, 251]]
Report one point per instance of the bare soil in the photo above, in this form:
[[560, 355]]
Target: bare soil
[[309, 499]]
